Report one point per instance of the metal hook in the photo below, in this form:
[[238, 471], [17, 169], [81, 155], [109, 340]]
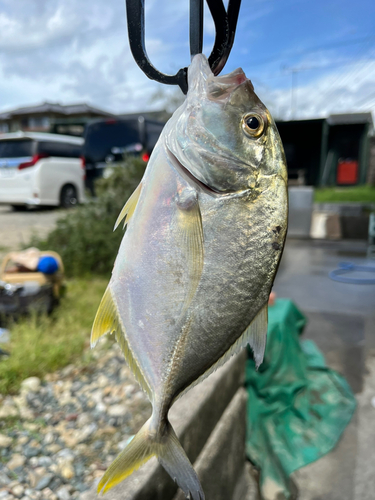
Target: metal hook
[[225, 26]]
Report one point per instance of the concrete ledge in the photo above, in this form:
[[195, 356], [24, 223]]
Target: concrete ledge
[[193, 417], [222, 460]]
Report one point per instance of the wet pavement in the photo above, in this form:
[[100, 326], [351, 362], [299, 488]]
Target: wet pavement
[[341, 320], [303, 276]]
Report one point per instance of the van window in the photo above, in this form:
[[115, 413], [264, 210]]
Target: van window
[[16, 148], [60, 149], [101, 137]]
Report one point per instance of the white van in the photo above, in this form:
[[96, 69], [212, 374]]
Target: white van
[[41, 169]]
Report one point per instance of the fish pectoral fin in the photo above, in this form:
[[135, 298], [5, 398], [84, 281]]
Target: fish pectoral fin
[[129, 207], [107, 320], [256, 334], [189, 223]]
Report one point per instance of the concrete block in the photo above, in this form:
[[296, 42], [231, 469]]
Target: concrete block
[[193, 417], [222, 460], [319, 225], [333, 227], [247, 486], [300, 211], [355, 227]]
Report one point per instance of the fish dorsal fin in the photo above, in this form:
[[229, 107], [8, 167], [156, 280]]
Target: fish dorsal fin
[[107, 320], [129, 207], [189, 224], [255, 335]]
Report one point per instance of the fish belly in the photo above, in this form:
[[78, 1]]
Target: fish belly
[[173, 337], [243, 241]]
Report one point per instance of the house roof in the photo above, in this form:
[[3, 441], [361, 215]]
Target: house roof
[[50, 107], [349, 118]]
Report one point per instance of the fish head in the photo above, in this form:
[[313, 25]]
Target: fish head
[[223, 135]]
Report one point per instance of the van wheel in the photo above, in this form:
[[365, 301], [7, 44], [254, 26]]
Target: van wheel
[[19, 208], [68, 196]]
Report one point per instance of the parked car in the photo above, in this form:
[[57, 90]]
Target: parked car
[[40, 169], [107, 140]]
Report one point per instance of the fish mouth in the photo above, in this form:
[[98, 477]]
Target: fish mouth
[[187, 175]]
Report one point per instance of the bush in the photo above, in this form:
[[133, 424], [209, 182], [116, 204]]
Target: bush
[[345, 194], [84, 238]]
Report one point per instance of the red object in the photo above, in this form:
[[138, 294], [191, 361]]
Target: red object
[[83, 166], [145, 157], [347, 172], [31, 163]]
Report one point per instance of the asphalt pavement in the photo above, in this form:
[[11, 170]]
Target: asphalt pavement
[[341, 320], [16, 228]]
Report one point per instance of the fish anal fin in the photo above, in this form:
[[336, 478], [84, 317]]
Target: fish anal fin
[[129, 207], [189, 223], [107, 320], [255, 335]]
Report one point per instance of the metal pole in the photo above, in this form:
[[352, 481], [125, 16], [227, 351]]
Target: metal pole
[[196, 27]]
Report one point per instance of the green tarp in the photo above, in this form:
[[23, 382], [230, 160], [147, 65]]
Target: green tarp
[[297, 406]]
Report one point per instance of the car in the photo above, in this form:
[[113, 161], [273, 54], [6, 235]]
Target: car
[[41, 169], [106, 141]]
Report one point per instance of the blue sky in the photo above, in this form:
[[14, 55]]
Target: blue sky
[[68, 51]]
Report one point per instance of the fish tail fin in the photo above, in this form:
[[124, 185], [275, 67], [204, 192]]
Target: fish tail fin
[[173, 458], [167, 448]]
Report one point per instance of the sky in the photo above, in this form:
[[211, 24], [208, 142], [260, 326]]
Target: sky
[[305, 58]]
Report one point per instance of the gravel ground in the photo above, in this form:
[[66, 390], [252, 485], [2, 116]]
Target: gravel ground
[[59, 434], [16, 228]]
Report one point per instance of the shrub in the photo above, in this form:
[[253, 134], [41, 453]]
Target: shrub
[[84, 238]]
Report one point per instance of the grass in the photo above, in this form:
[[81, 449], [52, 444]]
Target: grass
[[359, 194], [43, 344]]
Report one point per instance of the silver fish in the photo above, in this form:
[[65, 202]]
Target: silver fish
[[190, 285]]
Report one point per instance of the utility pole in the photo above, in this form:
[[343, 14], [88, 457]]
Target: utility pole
[[293, 95], [293, 104]]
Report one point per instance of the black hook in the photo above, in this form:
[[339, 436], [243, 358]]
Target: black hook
[[225, 27]]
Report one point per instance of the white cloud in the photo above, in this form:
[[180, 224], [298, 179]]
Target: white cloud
[[346, 89], [69, 51]]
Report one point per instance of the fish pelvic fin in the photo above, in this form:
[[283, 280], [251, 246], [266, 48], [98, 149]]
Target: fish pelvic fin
[[255, 335], [107, 320], [129, 207], [149, 442], [189, 223]]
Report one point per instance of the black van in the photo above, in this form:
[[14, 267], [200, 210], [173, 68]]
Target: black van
[[107, 140]]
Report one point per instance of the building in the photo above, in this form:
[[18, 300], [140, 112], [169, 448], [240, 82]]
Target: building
[[51, 117], [329, 151]]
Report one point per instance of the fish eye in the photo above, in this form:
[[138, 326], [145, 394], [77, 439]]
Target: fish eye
[[252, 124]]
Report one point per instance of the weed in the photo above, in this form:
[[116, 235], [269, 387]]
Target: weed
[[43, 344]]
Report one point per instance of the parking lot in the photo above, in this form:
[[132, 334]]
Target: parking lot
[[16, 228]]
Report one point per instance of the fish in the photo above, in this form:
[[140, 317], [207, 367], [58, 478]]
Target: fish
[[205, 230]]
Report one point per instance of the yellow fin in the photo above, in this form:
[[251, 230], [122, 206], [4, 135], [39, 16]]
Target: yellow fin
[[189, 222], [107, 320], [150, 441], [255, 335], [129, 207], [138, 451]]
